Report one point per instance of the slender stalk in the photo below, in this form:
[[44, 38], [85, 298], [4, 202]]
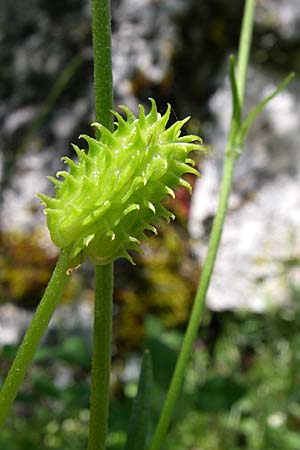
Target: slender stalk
[[215, 237], [103, 85], [196, 314], [33, 335], [244, 47], [101, 357], [100, 377]]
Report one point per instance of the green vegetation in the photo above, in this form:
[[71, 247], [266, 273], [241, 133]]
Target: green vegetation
[[240, 384], [240, 393]]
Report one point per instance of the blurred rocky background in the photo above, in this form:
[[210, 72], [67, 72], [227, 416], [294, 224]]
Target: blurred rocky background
[[175, 51]]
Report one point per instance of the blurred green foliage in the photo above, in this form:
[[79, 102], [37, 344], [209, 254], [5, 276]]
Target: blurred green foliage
[[241, 389]]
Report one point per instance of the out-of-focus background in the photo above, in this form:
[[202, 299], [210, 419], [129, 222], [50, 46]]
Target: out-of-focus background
[[242, 388]]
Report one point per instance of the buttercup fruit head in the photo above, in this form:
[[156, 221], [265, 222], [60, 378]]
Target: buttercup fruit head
[[114, 192]]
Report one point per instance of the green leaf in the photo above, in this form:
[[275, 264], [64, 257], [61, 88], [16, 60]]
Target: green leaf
[[236, 105], [9, 351], [248, 122], [45, 387], [74, 350], [140, 416], [219, 394], [43, 354], [164, 360]]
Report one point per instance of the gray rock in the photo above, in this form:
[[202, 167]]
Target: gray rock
[[280, 15], [143, 43], [75, 318]]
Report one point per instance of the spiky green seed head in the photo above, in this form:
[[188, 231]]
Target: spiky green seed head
[[114, 192]]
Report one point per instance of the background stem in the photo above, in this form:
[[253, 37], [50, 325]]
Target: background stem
[[244, 48], [215, 237], [100, 377], [34, 335]]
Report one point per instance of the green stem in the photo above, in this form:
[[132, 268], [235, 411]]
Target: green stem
[[34, 335], [215, 237], [244, 47], [101, 357], [196, 314], [103, 85], [100, 377]]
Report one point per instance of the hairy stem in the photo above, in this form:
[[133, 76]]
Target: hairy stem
[[101, 357], [103, 85], [100, 378], [34, 335], [215, 237]]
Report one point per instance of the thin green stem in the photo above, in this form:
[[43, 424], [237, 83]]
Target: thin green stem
[[215, 237], [100, 377], [101, 357], [199, 302], [33, 335], [244, 47], [103, 85]]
